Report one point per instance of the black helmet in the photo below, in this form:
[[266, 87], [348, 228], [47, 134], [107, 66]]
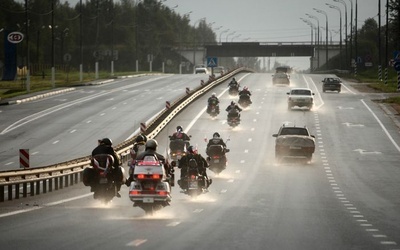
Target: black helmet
[[232, 103], [234, 79], [151, 144], [191, 149], [179, 129], [140, 138], [106, 141], [216, 135]]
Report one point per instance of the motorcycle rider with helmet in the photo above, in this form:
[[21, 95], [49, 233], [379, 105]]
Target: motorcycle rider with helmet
[[213, 100], [202, 165], [245, 91], [105, 147], [233, 83], [216, 140], [233, 110], [151, 150], [179, 135]]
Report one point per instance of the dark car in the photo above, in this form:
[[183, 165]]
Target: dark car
[[280, 78], [331, 84]]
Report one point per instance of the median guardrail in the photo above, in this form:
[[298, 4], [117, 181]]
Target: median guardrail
[[46, 179]]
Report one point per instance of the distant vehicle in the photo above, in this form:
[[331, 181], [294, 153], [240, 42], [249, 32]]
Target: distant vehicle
[[201, 71], [300, 97], [331, 84], [280, 78], [283, 69], [292, 141]]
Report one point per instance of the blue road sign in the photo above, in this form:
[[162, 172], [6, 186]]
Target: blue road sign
[[212, 62]]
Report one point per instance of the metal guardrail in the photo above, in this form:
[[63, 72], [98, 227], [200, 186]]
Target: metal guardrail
[[46, 179]]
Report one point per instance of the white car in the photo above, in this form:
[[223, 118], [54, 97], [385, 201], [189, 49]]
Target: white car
[[300, 97], [201, 71]]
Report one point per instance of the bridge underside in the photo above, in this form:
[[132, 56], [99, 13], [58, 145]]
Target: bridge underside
[[258, 50]]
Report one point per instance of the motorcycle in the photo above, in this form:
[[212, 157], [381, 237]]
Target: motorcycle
[[194, 183], [244, 100], [233, 118], [233, 90], [100, 177], [217, 158], [213, 109], [177, 149], [151, 187]]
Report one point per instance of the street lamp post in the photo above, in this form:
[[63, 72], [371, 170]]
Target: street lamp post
[[222, 32], [194, 42], [232, 33], [351, 32], [238, 35], [326, 27], [52, 46], [315, 18], [312, 28], [340, 29], [345, 21]]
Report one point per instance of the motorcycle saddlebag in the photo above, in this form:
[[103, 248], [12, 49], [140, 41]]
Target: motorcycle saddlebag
[[89, 176]]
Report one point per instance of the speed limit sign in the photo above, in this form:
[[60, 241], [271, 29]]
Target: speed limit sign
[[15, 37]]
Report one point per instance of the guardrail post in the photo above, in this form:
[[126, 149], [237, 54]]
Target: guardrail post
[[9, 192], [66, 181], [2, 193], [76, 178], [32, 187], [37, 187], [44, 186], [17, 191], [51, 185], [61, 182], [25, 189], [56, 183]]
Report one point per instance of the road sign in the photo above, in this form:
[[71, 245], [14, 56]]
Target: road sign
[[67, 57], [396, 55], [15, 37], [212, 62]]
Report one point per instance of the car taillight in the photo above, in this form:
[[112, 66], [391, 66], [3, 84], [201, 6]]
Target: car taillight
[[162, 192], [134, 192], [216, 157], [192, 177]]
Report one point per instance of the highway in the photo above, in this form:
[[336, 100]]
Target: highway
[[345, 198]]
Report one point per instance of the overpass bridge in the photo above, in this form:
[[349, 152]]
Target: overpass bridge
[[317, 54]]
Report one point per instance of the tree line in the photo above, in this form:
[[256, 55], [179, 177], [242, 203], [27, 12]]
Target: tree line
[[127, 31]]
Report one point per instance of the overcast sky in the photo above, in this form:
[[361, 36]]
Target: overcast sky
[[271, 20]]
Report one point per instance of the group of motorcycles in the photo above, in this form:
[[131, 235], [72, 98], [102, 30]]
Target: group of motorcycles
[[233, 117], [150, 188]]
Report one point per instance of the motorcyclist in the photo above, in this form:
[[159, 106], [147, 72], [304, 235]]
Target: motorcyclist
[[233, 110], [138, 146], [105, 147], [151, 148], [233, 83], [179, 135], [216, 140], [202, 165], [245, 91], [213, 100]]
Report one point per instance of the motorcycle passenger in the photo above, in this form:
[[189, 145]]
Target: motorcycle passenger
[[151, 150], [139, 146], [105, 147], [213, 100], [202, 165], [216, 140], [179, 135], [233, 110]]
